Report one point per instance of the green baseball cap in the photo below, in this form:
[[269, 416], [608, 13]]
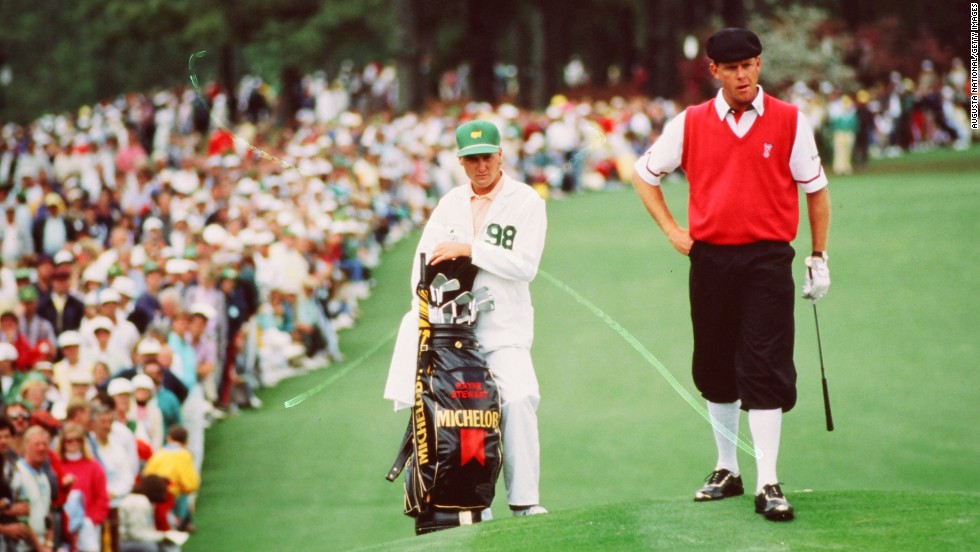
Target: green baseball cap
[[27, 293], [476, 137]]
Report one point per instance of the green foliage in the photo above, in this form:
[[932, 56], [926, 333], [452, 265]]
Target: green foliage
[[797, 48], [62, 54]]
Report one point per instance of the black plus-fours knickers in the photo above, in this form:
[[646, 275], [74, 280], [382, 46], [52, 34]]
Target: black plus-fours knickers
[[742, 299]]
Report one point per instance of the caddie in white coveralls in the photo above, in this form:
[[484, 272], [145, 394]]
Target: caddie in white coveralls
[[500, 224]]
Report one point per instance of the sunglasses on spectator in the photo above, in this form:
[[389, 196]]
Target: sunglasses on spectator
[[61, 276], [73, 440], [20, 416]]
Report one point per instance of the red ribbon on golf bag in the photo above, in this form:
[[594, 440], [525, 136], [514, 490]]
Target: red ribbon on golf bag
[[452, 447]]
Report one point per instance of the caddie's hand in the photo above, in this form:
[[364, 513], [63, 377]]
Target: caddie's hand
[[447, 251], [680, 238], [816, 280]]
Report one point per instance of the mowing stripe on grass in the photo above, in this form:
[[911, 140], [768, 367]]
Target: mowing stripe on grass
[[653, 361], [339, 373]]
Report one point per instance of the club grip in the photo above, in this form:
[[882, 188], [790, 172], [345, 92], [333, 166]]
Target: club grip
[[826, 407]]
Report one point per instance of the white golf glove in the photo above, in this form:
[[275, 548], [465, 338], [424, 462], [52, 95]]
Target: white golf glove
[[816, 280]]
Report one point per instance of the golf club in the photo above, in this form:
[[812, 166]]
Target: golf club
[[484, 304], [462, 299], [823, 377], [437, 282], [450, 285]]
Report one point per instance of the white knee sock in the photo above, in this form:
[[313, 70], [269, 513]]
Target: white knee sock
[[727, 415], [765, 426]]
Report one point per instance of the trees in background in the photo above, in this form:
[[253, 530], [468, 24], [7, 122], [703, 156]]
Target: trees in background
[[58, 55]]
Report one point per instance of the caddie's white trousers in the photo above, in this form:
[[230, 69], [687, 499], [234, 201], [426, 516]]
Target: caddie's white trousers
[[518, 385]]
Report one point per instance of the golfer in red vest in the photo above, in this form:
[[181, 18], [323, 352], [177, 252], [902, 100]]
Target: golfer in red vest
[[746, 156]]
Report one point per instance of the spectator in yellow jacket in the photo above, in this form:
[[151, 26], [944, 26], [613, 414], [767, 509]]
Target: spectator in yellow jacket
[[175, 463]]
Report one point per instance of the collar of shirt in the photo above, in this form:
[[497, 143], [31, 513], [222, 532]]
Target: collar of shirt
[[480, 204], [723, 109]]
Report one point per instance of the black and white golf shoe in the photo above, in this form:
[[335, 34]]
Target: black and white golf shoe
[[772, 504], [720, 484]]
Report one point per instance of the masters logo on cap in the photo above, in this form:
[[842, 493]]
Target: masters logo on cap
[[476, 137]]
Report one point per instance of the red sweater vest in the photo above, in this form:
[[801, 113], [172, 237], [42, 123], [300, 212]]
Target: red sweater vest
[[741, 189]]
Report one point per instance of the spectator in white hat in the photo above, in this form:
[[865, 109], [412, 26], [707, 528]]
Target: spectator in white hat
[[103, 349], [166, 399], [128, 309], [65, 370], [51, 229], [145, 411], [124, 333], [207, 301], [46, 369], [16, 242], [10, 379], [150, 351], [82, 391], [121, 391], [115, 446]]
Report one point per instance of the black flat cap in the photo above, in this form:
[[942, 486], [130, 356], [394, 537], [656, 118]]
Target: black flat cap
[[733, 44]]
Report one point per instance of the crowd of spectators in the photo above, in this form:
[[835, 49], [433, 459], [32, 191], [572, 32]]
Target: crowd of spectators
[[903, 114], [159, 263]]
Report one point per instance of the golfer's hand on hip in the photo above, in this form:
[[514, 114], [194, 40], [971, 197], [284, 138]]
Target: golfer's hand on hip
[[816, 279], [680, 238]]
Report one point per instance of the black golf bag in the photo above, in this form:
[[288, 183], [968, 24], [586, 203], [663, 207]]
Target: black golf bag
[[452, 447]]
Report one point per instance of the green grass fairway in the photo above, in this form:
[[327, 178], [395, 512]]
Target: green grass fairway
[[622, 451], [874, 521]]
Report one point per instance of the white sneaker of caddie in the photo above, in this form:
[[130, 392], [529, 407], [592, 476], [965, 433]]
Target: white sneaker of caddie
[[530, 511]]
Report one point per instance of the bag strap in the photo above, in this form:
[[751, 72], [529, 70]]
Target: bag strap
[[404, 452]]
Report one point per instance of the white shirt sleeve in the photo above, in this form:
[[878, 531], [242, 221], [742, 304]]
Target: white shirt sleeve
[[804, 160], [665, 154]]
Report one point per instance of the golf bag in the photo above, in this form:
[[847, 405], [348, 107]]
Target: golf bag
[[452, 448]]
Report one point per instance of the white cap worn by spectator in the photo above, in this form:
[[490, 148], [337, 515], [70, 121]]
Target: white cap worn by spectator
[[63, 257], [120, 386], [7, 352], [125, 286], [109, 295], [203, 309], [101, 323], [148, 346], [214, 234], [180, 266], [95, 274], [184, 182], [143, 381], [69, 338], [152, 223]]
